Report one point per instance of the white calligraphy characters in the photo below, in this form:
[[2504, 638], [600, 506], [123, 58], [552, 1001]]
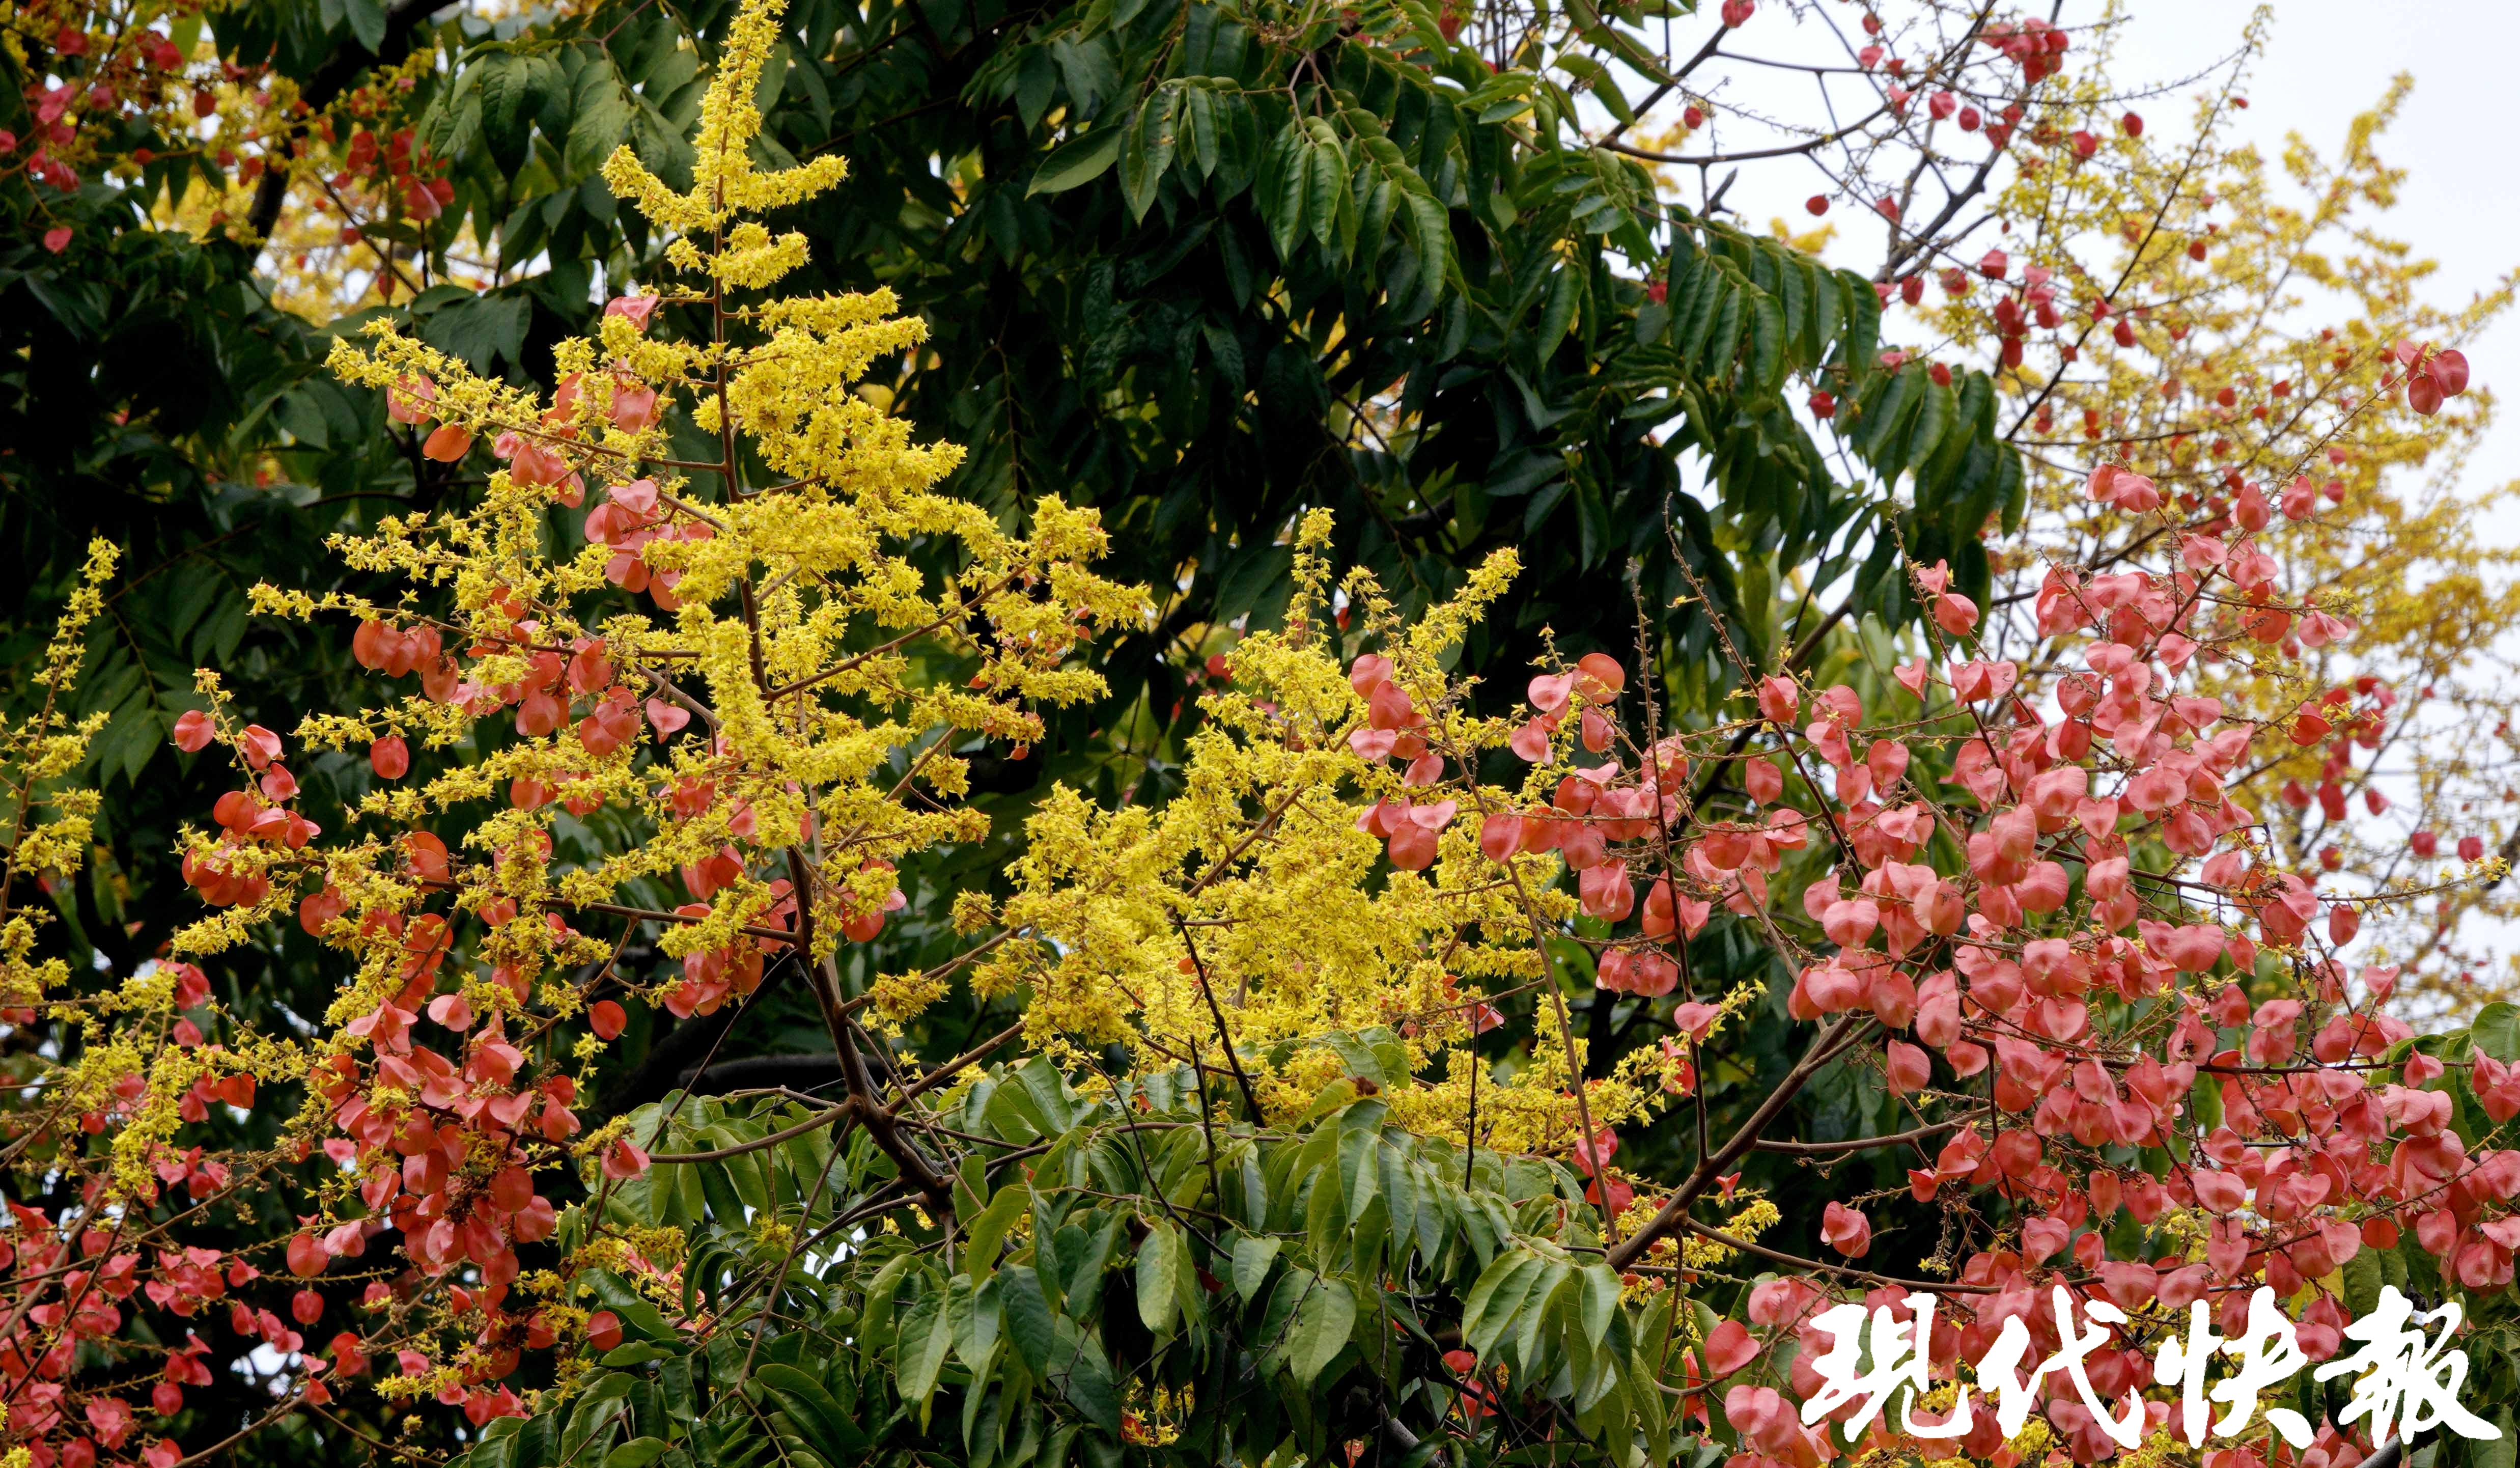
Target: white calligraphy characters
[[2409, 1381]]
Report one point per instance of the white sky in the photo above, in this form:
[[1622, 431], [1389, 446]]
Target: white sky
[[2324, 61], [2327, 60]]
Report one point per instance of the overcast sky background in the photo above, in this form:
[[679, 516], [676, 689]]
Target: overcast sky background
[[2460, 206], [2326, 60]]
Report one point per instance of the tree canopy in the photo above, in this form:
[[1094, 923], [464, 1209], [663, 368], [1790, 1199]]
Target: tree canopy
[[1105, 694]]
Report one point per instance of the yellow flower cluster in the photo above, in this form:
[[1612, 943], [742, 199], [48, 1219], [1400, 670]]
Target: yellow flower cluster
[[1255, 910], [776, 728], [126, 1062], [826, 628], [51, 822]]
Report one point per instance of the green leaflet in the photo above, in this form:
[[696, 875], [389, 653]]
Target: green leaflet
[[593, 1409], [1494, 1300], [1086, 1382], [874, 1325], [808, 1399], [1080, 161], [1360, 1171], [1601, 1301], [1324, 1322], [1029, 1322], [975, 1314], [600, 115], [1200, 124], [2364, 1278], [1328, 205], [925, 1337], [2495, 1030], [988, 1231], [1287, 188], [638, 1318], [2501, 1452], [1149, 151], [1558, 314], [1163, 1265], [1252, 1258]]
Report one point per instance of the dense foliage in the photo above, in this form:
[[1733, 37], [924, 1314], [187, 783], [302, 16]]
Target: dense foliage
[[1091, 924]]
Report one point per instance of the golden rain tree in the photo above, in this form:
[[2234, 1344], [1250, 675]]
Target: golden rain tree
[[2259, 346], [1295, 1153]]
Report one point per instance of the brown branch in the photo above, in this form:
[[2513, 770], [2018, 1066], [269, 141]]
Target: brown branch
[[1710, 160], [1858, 1144], [1224, 1036], [810, 1124], [1673, 1214], [966, 1059], [241, 1434], [882, 1128], [861, 659], [1778, 1256]]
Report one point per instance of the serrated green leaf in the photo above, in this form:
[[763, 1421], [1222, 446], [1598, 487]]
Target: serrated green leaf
[[638, 1316], [1723, 339], [507, 94], [873, 1326], [1558, 314], [600, 1402], [1086, 1382], [1327, 177], [813, 1408], [2499, 1451], [1766, 344], [1289, 202], [1198, 127], [976, 1315], [1793, 297], [1933, 420], [1399, 1199], [1496, 1297], [2364, 1279], [453, 121], [1360, 1170], [367, 21], [1600, 1301], [1430, 234], [1550, 1304]]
